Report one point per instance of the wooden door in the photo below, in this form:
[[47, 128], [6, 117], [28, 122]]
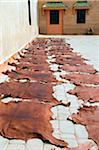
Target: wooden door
[[54, 21]]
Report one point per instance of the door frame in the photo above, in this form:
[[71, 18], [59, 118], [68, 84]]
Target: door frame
[[54, 28]]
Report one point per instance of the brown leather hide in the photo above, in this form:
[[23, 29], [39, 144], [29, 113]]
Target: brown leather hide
[[89, 116], [81, 68], [83, 78], [62, 52], [86, 93], [72, 61], [27, 90], [33, 52], [31, 67], [31, 75], [24, 120], [34, 60]]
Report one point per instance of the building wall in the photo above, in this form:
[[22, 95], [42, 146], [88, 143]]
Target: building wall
[[41, 18], [69, 18], [15, 30]]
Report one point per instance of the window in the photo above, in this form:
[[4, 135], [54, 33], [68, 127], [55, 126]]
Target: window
[[54, 16], [81, 16]]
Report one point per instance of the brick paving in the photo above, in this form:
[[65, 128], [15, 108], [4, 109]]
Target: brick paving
[[75, 135]]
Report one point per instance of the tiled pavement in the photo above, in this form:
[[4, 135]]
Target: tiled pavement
[[76, 133]]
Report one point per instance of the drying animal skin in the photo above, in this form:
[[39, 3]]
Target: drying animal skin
[[32, 56], [80, 68], [72, 56], [26, 120], [27, 90], [71, 61], [62, 52], [31, 117], [89, 117], [36, 60], [36, 51], [31, 67], [31, 75], [83, 78], [86, 93]]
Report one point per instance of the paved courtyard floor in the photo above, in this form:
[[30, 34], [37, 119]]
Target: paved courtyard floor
[[81, 53]]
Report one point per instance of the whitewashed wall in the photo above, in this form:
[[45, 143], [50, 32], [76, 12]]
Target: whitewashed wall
[[15, 30]]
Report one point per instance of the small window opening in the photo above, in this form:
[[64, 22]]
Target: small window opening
[[81, 16], [54, 16]]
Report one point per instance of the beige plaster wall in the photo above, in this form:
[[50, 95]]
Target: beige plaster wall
[[69, 20], [15, 30]]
